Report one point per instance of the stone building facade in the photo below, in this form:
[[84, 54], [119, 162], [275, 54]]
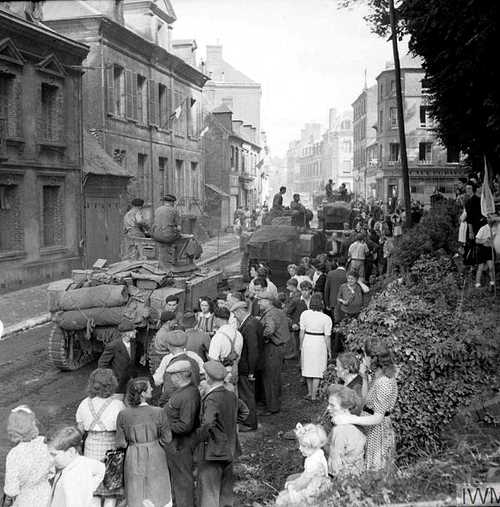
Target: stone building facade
[[40, 150], [364, 142], [141, 101], [231, 157], [431, 165]]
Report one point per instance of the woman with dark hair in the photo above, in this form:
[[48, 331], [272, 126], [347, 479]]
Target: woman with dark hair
[[380, 393], [315, 333], [96, 415], [28, 464], [144, 432], [350, 297], [205, 317]]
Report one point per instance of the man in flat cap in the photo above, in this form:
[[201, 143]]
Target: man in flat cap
[[134, 225], [183, 412], [120, 356], [176, 340], [218, 436], [276, 333], [166, 224], [253, 344]]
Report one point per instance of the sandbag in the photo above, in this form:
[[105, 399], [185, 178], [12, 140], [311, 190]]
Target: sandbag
[[91, 297], [77, 319]]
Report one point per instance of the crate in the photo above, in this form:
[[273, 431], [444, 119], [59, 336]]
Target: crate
[[146, 248], [81, 275]]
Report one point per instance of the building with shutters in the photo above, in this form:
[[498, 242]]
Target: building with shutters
[[40, 149], [431, 165], [231, 156], [141, 101]]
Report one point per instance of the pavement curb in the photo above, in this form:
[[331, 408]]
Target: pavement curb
[[46, 317]]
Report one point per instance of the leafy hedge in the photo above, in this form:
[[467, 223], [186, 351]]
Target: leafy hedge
[[444, 358], [436, 232]]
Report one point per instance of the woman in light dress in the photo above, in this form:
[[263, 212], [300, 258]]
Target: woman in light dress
[[380, 393], [28, 465], [97, 416], [315, 344]]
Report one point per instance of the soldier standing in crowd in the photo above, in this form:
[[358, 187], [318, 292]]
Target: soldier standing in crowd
[[276, 334], [220, 413], [183, 411]]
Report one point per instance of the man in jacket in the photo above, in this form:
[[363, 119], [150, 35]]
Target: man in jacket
[[276, 334], [218, 436], [253, 344], [120, 356], [334, 279], [183, 412]]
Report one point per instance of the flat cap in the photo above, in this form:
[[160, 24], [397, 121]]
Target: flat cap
[[215, 370], [265, 294], [169, 197], [176, 338], [238, 306], [178, 366], [126, 325]]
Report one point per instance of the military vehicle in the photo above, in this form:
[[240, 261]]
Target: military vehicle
[[333, 215], [278, 245], [87, 308]]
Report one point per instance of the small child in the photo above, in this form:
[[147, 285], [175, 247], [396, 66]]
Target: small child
[[301, 488], [347, 443], [78, 477]]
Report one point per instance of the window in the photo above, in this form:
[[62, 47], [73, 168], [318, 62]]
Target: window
[[393, 152], [49, 124], [425, 86], [52, 216], [346, 166], [163, 170], [393, 113], [179, 179], [11, 227], [142, 100], [180, 124], [119, 90], [346, 146], [243, 160], [237, 160], [425, 118], [424, 152], [381, 90], [393, 87], [452, 155], [10, 106], [195, 177], [381, 120], [232, 157], [143, 180], [162, 107]]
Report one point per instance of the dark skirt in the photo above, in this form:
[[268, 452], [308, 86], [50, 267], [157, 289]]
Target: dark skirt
[[484, 254]]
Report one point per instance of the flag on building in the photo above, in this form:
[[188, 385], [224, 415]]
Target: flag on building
[[192, 102], [487, 199], [260, 164], [204, 131], [177, 113]]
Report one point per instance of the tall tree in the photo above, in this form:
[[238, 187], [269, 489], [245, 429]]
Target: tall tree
[[458, 41]]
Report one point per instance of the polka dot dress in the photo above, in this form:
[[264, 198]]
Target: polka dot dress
[[380, 439]]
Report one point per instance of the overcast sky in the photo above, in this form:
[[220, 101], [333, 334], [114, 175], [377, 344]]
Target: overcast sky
[[307, 54]]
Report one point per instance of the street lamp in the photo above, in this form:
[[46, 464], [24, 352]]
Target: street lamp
[[401, 123]]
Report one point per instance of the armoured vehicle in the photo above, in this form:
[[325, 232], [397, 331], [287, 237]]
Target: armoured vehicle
[[333, 215], [278, 245], [87, 308]]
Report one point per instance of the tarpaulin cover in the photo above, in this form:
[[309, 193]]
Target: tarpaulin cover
[[90, 297], [275, 242]]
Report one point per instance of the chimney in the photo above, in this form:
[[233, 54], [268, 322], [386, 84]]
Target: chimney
[[214, 54]]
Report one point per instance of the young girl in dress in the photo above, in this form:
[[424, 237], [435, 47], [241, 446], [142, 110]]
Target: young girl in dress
[[77, 477], [347, 443], [28, 464], [301, 488]]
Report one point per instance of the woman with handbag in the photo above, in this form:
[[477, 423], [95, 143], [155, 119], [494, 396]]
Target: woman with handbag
[[96, 418]]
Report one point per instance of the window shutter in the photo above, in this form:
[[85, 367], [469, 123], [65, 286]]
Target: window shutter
[[168, 108], [134, 96], [59, 129], [140, 113], [128, 94], [110, 89], [152, 94], [421, 151]]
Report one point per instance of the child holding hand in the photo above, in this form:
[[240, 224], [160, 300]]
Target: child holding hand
[[301, 488]]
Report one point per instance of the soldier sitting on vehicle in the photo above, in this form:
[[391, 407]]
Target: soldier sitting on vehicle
[[329, 190], [134, 226], [300, 215]]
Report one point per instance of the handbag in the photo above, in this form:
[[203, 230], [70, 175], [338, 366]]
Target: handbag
[[114, 463]]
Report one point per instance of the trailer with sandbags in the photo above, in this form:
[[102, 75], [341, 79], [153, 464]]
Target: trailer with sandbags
[[87, 308]]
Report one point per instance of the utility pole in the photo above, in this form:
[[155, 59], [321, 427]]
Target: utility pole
[[401, 121]]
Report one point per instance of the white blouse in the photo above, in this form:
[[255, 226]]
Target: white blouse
[[315, 322], [84, 417]]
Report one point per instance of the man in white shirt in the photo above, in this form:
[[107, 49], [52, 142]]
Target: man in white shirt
[[226, 344], [357, 255]]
